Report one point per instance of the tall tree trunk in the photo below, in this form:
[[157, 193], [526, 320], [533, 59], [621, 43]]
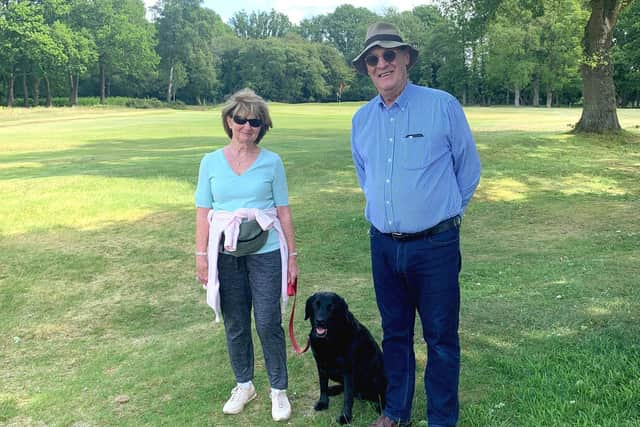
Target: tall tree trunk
[[71, 88], [536, 92], [549, 96], [599, 109], [48, 86], [36, 91], [25, 88], [11, 91], [76, 86], [73, 94], [170, 88], [516, 95], [103, 84]]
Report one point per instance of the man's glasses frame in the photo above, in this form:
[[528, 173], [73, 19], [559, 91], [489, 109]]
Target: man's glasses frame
[[254, 123], [389, 55]]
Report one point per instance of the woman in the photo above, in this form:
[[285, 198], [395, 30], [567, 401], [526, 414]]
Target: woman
[[239, 183]]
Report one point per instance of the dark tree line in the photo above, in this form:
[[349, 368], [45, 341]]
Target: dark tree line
[[486, 52]]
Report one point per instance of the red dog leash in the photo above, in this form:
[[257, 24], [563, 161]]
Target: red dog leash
[[292, 290]]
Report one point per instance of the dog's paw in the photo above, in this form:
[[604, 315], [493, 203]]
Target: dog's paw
[[344, 419], [321, 405]]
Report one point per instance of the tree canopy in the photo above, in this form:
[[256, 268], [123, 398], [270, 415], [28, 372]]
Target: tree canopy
[[484, 52]]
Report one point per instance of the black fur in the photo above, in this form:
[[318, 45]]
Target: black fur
[[346, 353]]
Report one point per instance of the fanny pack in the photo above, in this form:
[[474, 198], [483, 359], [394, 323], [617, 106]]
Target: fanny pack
[[251, 237]]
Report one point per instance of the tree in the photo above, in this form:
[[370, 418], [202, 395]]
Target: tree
[[80, 51], [283, 69], [344, 29], [512, 47], [187, 35], [27, 44], [599, 109], [9, 44], [124, 39], [626, 54], [260, 25], [464, 40], [559, 55]]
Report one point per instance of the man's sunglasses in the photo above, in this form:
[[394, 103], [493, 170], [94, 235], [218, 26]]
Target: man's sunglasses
[[254, 123], [387, 55]]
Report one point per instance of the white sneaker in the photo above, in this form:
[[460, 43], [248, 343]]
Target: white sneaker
[[280, 406], [240, 396]]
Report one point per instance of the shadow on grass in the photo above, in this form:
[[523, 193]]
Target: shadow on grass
[[549, 299]]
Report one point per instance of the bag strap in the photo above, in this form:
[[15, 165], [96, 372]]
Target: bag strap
[[292, 290]]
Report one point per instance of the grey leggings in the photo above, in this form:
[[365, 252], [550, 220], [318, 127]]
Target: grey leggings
[[246, 281]]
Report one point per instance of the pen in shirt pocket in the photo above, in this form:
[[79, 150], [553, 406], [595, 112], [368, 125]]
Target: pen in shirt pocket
[[414, 135]]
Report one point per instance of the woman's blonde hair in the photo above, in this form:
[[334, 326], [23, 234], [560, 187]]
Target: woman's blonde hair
[[245, 102]]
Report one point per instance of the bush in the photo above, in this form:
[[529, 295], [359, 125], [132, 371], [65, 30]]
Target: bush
[[144, 103], [114, 101]]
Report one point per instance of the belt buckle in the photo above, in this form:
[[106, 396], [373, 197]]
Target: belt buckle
[[397, 236]]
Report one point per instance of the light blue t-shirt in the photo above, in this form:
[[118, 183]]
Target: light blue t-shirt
[[416, 161], [262, 186]]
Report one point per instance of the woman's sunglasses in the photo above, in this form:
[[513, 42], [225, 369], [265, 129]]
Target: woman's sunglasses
[[254, 123], [387, 55]]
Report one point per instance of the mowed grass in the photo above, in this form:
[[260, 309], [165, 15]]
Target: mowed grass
[[103, 324]]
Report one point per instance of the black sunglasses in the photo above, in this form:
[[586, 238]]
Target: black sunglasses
[[254, 123], [387, 55]]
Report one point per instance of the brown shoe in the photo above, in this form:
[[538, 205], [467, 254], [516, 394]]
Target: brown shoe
[[385, 421]]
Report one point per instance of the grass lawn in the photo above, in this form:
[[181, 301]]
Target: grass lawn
[[103, 324]]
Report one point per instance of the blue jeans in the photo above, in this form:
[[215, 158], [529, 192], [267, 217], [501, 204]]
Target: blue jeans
[[419, 275]]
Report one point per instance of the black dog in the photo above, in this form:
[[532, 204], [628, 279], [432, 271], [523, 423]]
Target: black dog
[[345, 352]]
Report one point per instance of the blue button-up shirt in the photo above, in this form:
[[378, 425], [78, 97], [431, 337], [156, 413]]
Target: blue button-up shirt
[[416, 160]]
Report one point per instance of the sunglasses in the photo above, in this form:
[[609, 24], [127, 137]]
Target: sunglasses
[[254, 123], [387, 55]]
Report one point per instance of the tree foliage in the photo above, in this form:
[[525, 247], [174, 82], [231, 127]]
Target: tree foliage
[[482, 51], [260, 25]]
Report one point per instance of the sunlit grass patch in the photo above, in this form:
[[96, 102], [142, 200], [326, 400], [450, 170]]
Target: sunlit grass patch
[[98, 298]]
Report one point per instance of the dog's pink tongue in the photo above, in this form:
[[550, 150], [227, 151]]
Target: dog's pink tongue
[[321, 331]]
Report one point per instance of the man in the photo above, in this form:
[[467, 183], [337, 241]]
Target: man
[[418, 167]]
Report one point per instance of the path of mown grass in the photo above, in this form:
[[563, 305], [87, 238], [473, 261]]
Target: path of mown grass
[[97, 297]]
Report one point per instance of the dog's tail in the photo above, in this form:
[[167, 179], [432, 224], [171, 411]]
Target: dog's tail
[[335, 390]]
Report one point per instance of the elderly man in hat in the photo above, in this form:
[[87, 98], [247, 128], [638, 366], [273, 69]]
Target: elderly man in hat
[[418, 167]]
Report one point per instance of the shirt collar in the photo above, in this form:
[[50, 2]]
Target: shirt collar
[[402, 101]]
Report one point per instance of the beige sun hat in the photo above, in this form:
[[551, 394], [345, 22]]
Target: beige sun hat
[[384, 35]]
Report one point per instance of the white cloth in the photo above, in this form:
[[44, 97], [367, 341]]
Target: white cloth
[[228, 223]]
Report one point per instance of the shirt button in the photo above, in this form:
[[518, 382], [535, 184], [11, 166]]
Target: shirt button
[[391, 119], [388, 202], [388, 181], [390, 222], [389, 160], [390, 139]]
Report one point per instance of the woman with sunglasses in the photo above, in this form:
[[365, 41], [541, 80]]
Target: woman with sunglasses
[[238, 183]]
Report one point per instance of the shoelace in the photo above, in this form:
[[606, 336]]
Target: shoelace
[[236, 393], [279, 400]]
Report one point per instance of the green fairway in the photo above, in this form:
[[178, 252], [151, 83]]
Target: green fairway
[[103, 324]]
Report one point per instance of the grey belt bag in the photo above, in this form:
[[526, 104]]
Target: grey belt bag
[[251, 237]]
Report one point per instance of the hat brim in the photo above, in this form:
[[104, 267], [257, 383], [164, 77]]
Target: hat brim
[[358, 62]]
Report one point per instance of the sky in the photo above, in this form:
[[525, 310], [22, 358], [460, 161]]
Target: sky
[[298, 10]]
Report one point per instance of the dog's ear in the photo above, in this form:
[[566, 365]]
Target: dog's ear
[[308, 306], [349, 319], [342, 303]]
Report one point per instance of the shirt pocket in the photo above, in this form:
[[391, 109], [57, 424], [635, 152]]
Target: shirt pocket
[[413, 151]]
